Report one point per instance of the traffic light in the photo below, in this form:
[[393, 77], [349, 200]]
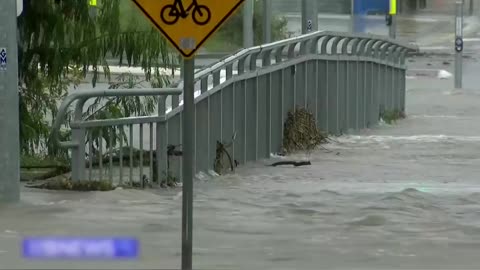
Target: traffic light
[[459, 44]]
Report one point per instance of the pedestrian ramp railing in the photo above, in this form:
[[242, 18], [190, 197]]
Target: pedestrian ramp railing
[[346, 80]]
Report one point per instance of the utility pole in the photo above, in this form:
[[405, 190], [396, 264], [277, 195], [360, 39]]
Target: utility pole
[[9, 104], [267, 21], [309, 16], [352, 16], [458, 45], [392, 33], [248, 23]]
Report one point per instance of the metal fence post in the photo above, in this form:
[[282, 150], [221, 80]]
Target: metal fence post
[[161, 142], [78, 153]]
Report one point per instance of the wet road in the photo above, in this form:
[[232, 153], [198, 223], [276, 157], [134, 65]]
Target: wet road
[[395, 197]]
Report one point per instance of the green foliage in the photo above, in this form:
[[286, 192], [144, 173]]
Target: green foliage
[[64, 184], [230, 34], [60, 42], [391, 116], [111, 108], [42, 161], [169, 180]]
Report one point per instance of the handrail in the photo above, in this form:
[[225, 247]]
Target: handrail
[[329, 35], [83, 96]]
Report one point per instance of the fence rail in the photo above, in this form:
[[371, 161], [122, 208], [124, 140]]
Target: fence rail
[[104, 133], [345, 80], [250, 93]]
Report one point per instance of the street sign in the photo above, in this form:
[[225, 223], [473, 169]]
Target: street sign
[[459, 41], [459, 44], [187, 24], [393, 7], [309, 25], [3, 59]]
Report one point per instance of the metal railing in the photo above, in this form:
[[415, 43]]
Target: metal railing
[[250, 93], [345, 80], [83, 131]]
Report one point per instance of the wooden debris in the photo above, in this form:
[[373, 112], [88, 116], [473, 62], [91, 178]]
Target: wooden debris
[[301, 132]]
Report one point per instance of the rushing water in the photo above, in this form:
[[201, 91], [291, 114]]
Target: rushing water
[[395, 197]]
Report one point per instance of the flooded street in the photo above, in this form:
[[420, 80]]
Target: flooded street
[[403, 196]]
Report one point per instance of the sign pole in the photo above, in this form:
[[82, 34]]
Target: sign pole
[[9, 104], [188, 150], [392, 33], [352, 16], [267, 21], [248, 23], [309, 16], [458, 45], [187, 31]]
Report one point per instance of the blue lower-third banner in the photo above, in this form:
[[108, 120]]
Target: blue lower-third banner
[[80, 248]]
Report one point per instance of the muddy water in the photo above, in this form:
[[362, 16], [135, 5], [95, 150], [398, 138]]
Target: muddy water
[[396, 197]]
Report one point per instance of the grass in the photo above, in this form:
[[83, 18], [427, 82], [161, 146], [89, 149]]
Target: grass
[[39, 167], [84, 186], [41, 161]]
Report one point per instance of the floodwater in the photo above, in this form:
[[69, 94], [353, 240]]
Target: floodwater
[[405, 196]]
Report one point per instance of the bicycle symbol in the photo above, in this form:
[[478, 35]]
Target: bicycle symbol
[[171, 13]]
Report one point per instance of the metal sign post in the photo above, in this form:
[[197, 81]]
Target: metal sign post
[[188, 149], [267, 21], [309, 16], [9, 112], [458, 45], [392, 20], [248, 10], [187, 25], [352, 16]]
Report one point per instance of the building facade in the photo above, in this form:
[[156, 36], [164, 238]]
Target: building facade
[[445, 7]]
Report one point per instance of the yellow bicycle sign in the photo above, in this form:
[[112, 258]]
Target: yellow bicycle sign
[[170, 14]]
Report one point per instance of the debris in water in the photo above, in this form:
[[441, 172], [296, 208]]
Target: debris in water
[[443, 74], [220, 153], [301, 132], [294, 163]]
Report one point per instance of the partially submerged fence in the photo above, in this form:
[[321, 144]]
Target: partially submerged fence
[[345, 80]]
